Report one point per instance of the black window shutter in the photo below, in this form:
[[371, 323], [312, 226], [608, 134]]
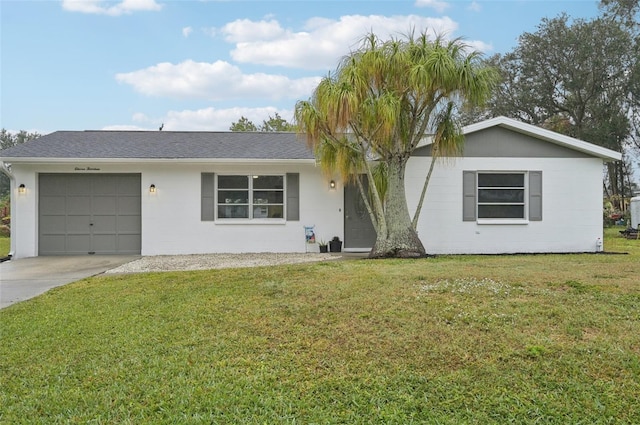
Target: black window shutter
[[208, 190], [468, 196], [293, 197], [535, 195]]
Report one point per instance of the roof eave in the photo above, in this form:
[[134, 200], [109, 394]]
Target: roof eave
[[41, 160]]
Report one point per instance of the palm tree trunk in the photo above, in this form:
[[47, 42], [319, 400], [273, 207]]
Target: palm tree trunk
[[401, 239], [416, 216]]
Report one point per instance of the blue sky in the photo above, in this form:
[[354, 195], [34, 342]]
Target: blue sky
[[201, 65]]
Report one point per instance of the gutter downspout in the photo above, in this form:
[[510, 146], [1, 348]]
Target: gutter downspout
[[6, 169]]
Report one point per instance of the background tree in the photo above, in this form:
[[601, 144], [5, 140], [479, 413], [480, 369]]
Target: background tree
[[624, 11], [275, 123], [581, 79], [243, 124], [7, 140], [379, 104]]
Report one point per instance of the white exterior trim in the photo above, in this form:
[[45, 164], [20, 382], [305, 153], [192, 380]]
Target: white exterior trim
[[83, 161]]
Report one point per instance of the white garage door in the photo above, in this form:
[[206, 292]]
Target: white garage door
[[89, 214]]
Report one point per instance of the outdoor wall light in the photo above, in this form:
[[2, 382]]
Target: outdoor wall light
[[152, 188], [22, 188], [332, 184]]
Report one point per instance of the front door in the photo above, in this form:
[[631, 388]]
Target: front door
[[359, 233]]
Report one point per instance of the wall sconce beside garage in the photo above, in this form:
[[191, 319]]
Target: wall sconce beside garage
[[152, 188], [22, 189]]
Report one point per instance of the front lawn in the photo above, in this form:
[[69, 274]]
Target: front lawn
[[452, 339], [5, 246]]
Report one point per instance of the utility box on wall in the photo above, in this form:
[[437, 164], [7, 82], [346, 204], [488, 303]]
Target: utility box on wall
[[635, 211]]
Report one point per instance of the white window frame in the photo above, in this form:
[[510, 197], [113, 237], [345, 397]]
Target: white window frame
[[251, 205]]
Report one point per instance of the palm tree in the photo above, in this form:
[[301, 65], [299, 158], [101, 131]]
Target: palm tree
[[368, 117]]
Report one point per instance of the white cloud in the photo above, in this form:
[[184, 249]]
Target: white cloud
[[475, 6], [186, 31], [322, 42], [124, 127], [479, 45], [101, 7], [214, 81], [320, 45], [207, 119], [438, 5], [244, 30], [212, 119]]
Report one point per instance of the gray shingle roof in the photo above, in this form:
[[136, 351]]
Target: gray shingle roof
[[163, 144]]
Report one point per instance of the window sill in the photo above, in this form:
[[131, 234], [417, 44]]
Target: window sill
[[502, 221], [246, 221]]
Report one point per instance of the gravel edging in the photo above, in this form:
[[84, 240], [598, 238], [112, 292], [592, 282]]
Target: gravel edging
[[164, 263]]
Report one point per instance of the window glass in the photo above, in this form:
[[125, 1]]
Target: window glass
[[233, 182], [500, 211], [264, 197], [501, 180], [233, 211], [250, 197], [233, 196], [268, 182], [501, 195]]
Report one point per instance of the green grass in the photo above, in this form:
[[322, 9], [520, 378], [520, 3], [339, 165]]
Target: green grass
[[5, 246], [453, 339]]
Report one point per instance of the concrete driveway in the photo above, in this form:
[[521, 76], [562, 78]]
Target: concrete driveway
[[26, 278]]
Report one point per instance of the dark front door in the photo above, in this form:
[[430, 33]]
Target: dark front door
[[359, 232]]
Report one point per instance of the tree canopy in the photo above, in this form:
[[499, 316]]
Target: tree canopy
[[365, 119], [243, 124], [7, 140], [577, 77], [275, 123]]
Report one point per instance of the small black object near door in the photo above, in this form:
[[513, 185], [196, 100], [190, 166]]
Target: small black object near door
[[335, 245]]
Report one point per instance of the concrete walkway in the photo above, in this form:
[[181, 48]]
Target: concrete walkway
[[26, 278]]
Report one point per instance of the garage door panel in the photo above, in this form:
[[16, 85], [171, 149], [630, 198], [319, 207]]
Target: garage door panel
[[53, 205], [105, 224], [129, 244], [105, 204], [129, 205], [78, 244], [53, 185], [79, 205], [129, 224], [89, 213], [129, 185], [55, 224], [79, 185], [78, 224], [105, 185], [53, 243], [105, 244]]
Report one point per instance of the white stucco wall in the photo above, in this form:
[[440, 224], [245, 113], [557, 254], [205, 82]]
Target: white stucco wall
[[24, 214], [572, 207], [171, 217], [171, 224], [171, 221]]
